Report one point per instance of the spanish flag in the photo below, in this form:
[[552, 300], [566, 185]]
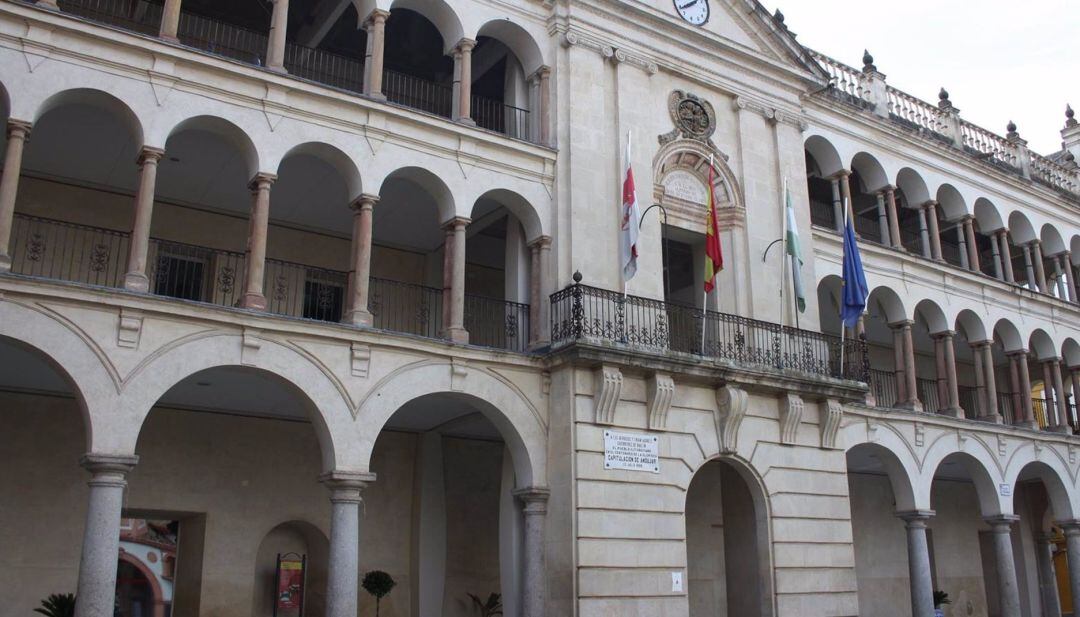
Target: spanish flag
[[714, 255]]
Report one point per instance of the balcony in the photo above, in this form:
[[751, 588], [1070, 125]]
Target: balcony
[[580, 313], [51, 249], [336, 70]]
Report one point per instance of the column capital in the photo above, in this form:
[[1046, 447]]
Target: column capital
[[541, 242], [981, 344], [903, 324], [346, 486], [19, 128], [1036, 243], [465, 45], [535, 498], [840, 174], [1052, 360], [378, 16], [543, 72], [455, 222], [108, 469], [930, 203], [1001, 523], [916, 517], [944, 334], [262, 180], [1017, 353], [149, 154], [366, 201], [1071, 526]]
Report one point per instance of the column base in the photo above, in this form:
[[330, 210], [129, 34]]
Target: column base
[[1062, 429], [911, 406], [168, 38], [953, 412], [457, 335], [255, 302], [363, 319], [48, 4], [5, 263], [466, 121], [994, 418], [1031, 425], [537, 345], [377, 96], [136, 281], [277, 69]]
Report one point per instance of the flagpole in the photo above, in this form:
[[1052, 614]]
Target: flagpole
[[705, 295], [626, 331], [843, 326], [783, 254]]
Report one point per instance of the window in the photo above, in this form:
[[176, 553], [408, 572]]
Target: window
[[180, 276]]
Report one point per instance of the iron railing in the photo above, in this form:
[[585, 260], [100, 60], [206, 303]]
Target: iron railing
[[883, 387], [406, 307], [929, 394], [135, 15], [417, 93], [590, 314], [196, 273], [499, 117], [969, 402], [497, 323], [1007, 407], [67, 251], [1038, 406]]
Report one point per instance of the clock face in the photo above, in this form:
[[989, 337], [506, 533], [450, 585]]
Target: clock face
[[694, 11]]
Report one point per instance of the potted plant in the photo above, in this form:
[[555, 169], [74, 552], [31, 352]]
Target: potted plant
[[58, 605], [941, 598], [489, 608], [378, 584]]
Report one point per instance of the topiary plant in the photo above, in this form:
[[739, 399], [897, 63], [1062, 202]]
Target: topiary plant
[[941, 598], [492, 607], [58, 605], [378, 584]]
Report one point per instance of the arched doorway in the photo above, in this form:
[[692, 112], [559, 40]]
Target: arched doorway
[[298, 539], [728, 560]]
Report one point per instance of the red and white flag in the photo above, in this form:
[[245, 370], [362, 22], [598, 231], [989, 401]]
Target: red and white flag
[[630, 221]]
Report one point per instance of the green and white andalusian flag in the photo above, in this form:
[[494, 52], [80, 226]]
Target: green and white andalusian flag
[[791, 246]]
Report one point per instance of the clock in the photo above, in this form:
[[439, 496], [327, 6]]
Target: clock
[[695, 12]]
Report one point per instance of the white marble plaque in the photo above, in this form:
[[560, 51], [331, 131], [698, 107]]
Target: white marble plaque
[[631, 451]]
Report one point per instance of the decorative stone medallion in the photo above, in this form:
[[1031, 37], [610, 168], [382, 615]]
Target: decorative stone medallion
[[693, 116]]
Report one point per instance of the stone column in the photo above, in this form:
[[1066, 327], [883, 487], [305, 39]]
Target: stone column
[[1049, 410], [952, 385], [999, 272], [454, 281], [539, 253], [534, 581], [101, 538], [962, 244], [883, 219], [986, 351], [1064, 421], [279, 25], [463, 81], [933, 230], [922, 588], [343, 565], [1072, 552], [359, 279], [17, 134], [1029, 266], [1044, 558], [899, 365], [170, 21], [1006, 255], [1040, 267], [1074, 375], [894, 218], [1008, 591], [837, 203], [255, 260], [1070, 285], [375, 24], [972, 245], [544, 102], [139, 245], [980, 382], [1059, 278], [941, 374], [912, 401], [924, 235], [1024, 377]]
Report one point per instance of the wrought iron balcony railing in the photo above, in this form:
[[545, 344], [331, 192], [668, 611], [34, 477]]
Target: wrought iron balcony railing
[[94, 256], [317, 65], [590, 314]]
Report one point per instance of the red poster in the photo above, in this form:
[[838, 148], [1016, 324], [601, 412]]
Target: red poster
[[290, 588]]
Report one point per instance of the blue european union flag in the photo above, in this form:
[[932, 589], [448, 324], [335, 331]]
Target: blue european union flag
[[855, 289]]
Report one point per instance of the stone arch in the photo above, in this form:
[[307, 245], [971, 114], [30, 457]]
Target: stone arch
[[759, 496], [913, 186], [5, 101], [1051, 470], [894, 455], [1074, 248], [439, 13], [429, 182], [830, 288], [977, 460], [75, 357], [1020, 228], [692, 157], [318, 547], [888, 304], [516, 418], [871, 172], [319, 390], [95, 98], [341, 162], [1042, 345], [1052, 242], [824, 154], [155, 586], [987, 216], [518, 206], [517, 40], [225, 129], [971, 325], [933, 315], [953, 206], [1070, 353], [1009, 335]]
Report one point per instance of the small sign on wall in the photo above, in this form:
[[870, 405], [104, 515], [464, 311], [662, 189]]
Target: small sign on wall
[[631, 451], [1005, 490]]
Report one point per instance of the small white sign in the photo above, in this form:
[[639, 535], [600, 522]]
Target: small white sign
[[631, 451], [676, 581], [1005, 490]]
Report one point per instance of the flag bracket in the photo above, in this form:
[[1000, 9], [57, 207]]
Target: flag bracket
[[765, 255], [663, 240]]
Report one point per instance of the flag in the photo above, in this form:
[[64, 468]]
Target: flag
[[630, 221], [855, 289], [714, 255], [791, 245]]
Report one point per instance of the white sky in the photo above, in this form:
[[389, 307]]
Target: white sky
[[1000, 60]]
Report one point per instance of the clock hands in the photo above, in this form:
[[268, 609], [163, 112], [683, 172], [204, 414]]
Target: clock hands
[[688, 4]]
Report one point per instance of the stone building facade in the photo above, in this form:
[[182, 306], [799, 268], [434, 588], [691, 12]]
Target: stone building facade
[[340, 278]]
